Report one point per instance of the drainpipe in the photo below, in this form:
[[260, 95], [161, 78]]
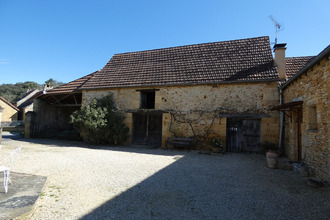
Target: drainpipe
[[280, 149]]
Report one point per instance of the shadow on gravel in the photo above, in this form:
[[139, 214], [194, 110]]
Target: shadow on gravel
[[232, 186], [12, 135]]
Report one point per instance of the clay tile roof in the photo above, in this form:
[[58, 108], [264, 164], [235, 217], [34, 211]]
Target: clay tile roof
[[71, 86], [8, 103], [294, 64], [238, 60]]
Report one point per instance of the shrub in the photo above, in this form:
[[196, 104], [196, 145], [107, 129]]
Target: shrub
[[100, 122], [215, 142]]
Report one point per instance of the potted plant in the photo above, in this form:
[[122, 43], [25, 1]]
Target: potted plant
[[216, 144]]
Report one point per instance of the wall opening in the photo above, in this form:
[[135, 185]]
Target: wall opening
[[312, 117], [147, 100]]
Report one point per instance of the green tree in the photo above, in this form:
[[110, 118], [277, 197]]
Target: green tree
[[100, 122], [14, 92], [53, 83]]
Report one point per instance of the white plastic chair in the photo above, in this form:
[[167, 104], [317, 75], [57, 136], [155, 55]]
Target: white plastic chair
[[6, 170]]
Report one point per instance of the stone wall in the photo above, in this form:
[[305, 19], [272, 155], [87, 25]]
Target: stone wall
[[9, 113], [313, 89], [201, 104]]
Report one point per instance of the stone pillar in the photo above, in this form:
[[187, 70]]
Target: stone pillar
[[29, 121], [166, 128], [129, 123]]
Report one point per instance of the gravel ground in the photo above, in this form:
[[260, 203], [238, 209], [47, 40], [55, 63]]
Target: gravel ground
[[133, 183]]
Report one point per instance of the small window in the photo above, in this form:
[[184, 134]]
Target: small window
[[312, 116], [147, 100]]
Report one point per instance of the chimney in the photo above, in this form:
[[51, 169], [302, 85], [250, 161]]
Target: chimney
[[279, 50]]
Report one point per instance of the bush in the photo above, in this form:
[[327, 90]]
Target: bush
[[100, 122]]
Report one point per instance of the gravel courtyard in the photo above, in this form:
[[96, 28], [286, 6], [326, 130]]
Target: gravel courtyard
[[135, 183]]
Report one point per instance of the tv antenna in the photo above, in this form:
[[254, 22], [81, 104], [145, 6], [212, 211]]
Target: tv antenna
[[277, 26]]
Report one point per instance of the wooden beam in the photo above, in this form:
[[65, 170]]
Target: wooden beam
[[67, 105], [75, 100]]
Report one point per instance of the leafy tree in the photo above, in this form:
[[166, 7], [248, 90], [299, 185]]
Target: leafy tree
[[14, 92], [53, 83], [100, 122]]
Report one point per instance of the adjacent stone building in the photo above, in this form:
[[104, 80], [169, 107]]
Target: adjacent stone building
[[9, 112], [306, 122], [25, 104]]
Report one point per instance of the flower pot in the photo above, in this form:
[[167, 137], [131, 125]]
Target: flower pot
[[272, 159]]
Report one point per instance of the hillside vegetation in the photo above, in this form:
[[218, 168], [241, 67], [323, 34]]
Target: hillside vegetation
[[14, 92]]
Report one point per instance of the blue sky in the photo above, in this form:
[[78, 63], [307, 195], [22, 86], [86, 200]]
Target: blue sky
[[68, 39]]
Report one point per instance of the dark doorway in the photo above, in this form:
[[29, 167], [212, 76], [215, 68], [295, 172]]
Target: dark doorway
[[243, 135], [147, 129]]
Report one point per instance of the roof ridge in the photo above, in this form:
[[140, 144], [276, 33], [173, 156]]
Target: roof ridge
[[197, 44], [301, 56]]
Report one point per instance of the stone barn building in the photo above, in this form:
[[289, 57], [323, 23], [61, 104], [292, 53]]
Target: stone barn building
[[222, 89]]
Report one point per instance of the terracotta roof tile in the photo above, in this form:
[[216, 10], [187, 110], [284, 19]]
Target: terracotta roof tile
[[294, 64], [238, 60], [71, 86]]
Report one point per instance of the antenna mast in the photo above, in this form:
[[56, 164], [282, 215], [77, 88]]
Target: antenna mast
[[277, 26]]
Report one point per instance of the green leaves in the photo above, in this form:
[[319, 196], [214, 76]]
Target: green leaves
[[100, 122], [14, 92]]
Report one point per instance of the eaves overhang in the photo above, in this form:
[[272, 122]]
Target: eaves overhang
[[181, 84], [287, 106]]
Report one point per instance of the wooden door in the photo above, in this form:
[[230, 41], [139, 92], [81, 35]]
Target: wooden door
[[251, 135], [147, 129], [234, 135], [243, 135]]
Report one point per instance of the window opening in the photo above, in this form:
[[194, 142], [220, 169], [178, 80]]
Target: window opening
[[147, 100]]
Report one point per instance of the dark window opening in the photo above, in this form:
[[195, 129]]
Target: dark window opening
[[147, 100]]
